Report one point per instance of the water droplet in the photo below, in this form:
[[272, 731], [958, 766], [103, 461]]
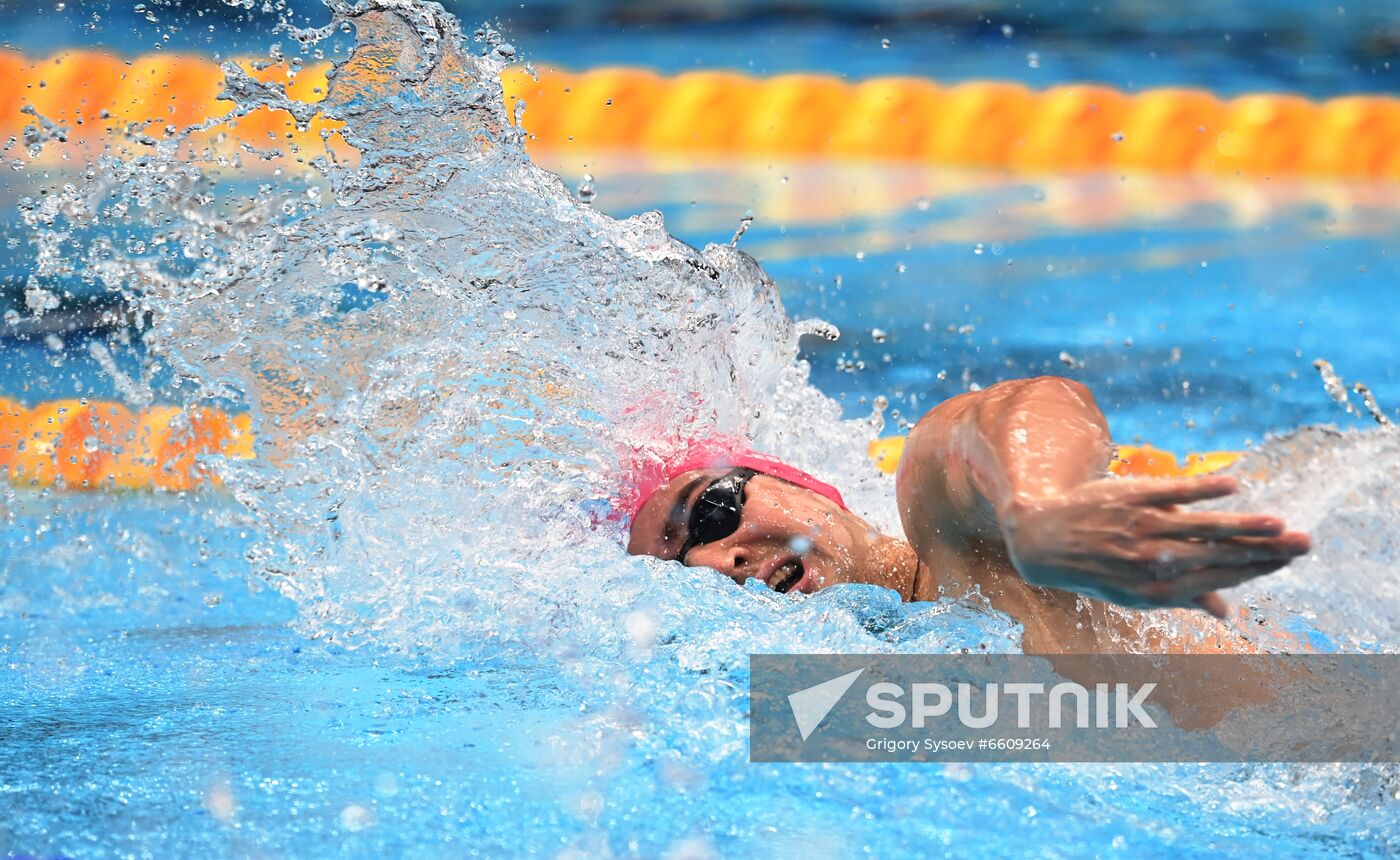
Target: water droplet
[[977, 249], [386, 784], [1007, 30], [356, 817], [1117, 137], [1033, 60], [879, 335], [800, 544], [641, 628], [743, 228], [219, 801], [590, 805], [884, 43], [820, 328], [586, 193]]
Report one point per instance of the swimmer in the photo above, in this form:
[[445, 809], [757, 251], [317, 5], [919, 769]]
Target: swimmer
[[1003, 492]]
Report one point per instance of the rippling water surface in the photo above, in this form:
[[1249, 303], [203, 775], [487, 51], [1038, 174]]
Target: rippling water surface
[[410, 626]]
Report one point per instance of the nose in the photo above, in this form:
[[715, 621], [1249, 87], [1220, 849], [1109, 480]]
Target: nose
[[734, 560]]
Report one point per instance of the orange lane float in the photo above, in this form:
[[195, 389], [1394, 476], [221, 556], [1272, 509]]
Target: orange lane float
[[79, 444], [97, 98], [1136, 461]]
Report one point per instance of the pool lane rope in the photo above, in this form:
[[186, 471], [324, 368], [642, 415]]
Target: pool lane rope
[[1135, 461], [90, 98], [80, 444]]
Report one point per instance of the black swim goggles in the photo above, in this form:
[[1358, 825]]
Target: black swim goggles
[[717, 511]]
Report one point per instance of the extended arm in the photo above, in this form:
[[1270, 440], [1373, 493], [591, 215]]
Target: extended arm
[[1024, 463]]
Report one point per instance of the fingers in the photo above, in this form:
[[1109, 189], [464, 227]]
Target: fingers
[[1210, 525], [1181, 491], [1200, 587], [1218, 578], [1173, 559], [1292, 543]]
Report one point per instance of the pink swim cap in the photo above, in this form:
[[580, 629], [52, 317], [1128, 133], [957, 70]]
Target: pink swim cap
[[646, 481]]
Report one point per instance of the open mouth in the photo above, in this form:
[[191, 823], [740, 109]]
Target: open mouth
[[788, 576]]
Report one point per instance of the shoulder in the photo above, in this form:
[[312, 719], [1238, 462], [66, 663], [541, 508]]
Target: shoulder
[[930, 481], [938, 500]]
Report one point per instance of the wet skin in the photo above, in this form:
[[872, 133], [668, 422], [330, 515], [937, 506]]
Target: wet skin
[[1005, 492], [791, 538]]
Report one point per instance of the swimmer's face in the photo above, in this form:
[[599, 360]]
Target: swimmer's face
[[790, 537]]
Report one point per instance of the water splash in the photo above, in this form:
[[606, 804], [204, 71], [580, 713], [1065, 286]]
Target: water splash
[[453, 363]]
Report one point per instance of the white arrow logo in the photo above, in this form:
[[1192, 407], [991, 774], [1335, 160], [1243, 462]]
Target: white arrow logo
[[810, 706]]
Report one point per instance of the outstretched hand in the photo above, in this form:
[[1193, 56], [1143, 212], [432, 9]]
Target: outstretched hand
[[1127, 541]]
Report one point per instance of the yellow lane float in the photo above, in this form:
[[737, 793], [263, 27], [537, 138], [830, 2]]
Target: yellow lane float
[[102, 100]]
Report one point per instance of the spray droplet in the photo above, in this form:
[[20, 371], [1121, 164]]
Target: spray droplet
[[1333, 384], [1369, 400], [820, 328], [641, 629], [356, 817], [743, 228], [586, 192], [885, 43]]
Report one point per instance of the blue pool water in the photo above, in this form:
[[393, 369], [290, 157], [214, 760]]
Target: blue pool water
[[413, 671]]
